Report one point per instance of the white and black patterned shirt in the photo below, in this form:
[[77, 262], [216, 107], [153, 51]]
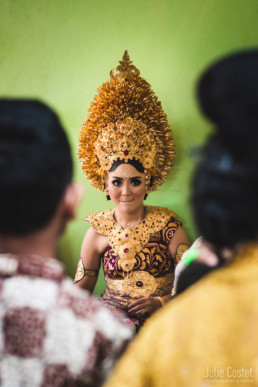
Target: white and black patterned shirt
[[52, 333]]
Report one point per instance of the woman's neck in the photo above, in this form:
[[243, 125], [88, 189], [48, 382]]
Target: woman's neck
[[129, 219]]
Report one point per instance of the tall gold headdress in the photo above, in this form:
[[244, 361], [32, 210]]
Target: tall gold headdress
[[126, 121]]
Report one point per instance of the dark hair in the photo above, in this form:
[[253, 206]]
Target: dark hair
[[225, 187], [35, 165], [135, 163]]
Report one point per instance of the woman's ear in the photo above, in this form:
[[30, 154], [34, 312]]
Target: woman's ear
[[106, 186]]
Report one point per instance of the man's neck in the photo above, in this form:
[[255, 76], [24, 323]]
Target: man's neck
[[41, 243]]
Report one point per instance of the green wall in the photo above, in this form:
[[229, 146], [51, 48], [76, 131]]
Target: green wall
[[61, 50]]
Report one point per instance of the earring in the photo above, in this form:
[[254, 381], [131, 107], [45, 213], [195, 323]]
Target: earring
[[107, 196], [147, 183]]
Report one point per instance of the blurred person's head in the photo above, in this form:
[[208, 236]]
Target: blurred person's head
[[225, 188], [35, 169]]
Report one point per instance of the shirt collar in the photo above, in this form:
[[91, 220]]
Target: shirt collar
[[31, 265]]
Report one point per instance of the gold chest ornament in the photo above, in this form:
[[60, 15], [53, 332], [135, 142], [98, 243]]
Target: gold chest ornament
[[127, 243]]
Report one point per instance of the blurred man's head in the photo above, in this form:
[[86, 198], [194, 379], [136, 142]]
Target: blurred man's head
[[35, 166], [225, 189]]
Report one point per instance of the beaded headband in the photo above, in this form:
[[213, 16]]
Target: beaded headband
[[126, 121]]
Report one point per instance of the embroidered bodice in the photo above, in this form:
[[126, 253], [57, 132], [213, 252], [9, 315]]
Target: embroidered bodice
[[140, 256]]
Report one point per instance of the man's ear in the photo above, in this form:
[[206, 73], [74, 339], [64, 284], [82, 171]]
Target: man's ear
[[72, 198]]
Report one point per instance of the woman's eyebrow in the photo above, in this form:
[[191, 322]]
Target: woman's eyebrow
[[130, 178]]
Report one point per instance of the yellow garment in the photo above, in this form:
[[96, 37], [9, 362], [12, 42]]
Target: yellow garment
[[210, 329]]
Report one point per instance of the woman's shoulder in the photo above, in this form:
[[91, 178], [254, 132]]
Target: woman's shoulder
[[160, 211], [158, 217], [101, 221]]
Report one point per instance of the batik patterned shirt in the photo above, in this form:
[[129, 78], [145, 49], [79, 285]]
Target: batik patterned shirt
[[52, 333]]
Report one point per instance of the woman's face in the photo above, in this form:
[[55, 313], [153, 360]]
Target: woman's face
[[126, 187]]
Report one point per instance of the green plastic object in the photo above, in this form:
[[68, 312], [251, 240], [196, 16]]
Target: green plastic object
[[190, 256]]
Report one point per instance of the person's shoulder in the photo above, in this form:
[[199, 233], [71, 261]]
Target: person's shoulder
[[99, 214], [101, 221], [158, 217], [196, 310], [185, 313], [86, 307], [195, 301], [81, 327], [160, 211]]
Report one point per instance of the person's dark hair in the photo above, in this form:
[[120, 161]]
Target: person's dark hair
[[225, 186], [135, 163], [35, 166]]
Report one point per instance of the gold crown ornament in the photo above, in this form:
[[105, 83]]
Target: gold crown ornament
[[126, 121]]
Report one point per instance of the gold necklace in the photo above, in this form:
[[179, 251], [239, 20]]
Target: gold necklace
[[131, 225]]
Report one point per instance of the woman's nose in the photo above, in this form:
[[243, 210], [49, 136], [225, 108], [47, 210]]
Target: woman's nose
[[126, 188]]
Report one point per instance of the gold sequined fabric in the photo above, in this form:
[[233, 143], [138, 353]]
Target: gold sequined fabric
[[126, 121], [207, 336], [130, 284], [82, 272], [79, 272], [181, 249]]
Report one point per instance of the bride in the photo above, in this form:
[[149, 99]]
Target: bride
[[127, 150]]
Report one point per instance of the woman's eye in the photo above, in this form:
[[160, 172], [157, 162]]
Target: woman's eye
[[135, 182], [117, 183]]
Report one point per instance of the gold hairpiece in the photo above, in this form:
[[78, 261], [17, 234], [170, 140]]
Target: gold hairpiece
[[126, 122]]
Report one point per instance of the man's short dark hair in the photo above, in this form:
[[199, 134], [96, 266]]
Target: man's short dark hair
[[225, 188], [35, 166]]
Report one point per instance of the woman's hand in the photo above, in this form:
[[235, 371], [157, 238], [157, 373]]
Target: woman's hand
[[144, 305]]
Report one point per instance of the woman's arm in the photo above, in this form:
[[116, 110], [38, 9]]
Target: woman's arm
[[177, 246], [93, 247]]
